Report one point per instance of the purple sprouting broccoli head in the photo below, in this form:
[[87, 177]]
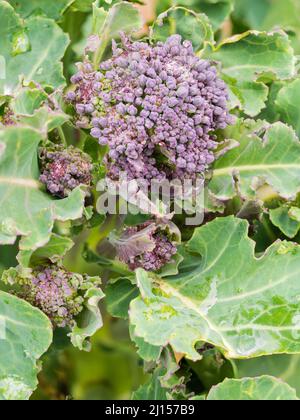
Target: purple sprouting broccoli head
[[8, 117], [62, 170], [149, 246], [56, 292], [156, 107]]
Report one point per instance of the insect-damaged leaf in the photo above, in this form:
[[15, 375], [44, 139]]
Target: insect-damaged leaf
[[244, 305], [26, 210]]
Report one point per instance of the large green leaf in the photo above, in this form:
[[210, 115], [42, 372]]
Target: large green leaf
[[32, 50], [25, 210], [246, 306], [264, 388], [274, 160], [25, 334], [50, 8], [283, 366], [252, 55], [252, 58]]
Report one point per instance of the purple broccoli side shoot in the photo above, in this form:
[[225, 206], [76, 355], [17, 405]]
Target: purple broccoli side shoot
[[62, 170]]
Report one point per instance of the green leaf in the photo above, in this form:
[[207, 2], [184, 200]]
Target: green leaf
[[152, 390], [90, 320], [294, 213], [27, 100], [274, 160], [114, 266], [251, 12], [212, 369], [44, 120], [54, 251], [283, 14], [198, 398], [29, 111], [265, 15], [40, 60], [249, 97], [171, 269], [51, 9], [25, 209], [86, 5], [122, 17], [283, 366], [247, 307], [146, 351], [25, 335], [256, 55], [287, 102], [270, 112], [118, 297], [216, 10], [86, 29], [191, 26], [265, 388], [82, 5], [250, 58], [280, 218]]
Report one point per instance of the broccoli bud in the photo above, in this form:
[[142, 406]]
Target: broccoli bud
[[56, 292], [149, 246], [62, 170], [7, 119]]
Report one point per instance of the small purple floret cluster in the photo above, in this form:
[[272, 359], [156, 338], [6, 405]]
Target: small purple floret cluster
[[161, 252], [62, 170], [156, 107], [8, 117], [56, 292]]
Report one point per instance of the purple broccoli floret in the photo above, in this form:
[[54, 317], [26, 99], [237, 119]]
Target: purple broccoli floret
[[62, 170], [7, 119], [55, 292], [148, 246], [156, 107]]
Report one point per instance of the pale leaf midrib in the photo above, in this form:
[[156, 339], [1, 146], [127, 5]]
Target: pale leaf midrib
[[251, 168], [6, 319], [20, 182]]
